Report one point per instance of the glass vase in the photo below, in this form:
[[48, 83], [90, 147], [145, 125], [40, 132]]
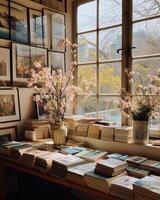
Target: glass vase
[[140, 132]]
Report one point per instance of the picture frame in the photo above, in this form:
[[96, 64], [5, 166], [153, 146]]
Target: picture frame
[[59, 5], [40, 109], [36, 27], [8, 134], [5, 66], [4, 19], [9, 105], [56, 60], [38, 57], [25, 58], [54, 29], [21, 63], [19, 23]]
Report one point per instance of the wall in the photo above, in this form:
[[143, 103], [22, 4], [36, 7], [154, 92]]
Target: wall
[[25, 94]]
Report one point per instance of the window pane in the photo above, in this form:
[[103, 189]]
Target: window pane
[[109, 110], [110, 12], [145, 8], [87, 107], [146, 37], [110, 78], [86, 73], [87, 48], [145, 67], [110, 41], [87, 16]]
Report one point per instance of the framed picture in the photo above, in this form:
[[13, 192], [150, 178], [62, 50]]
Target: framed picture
[[55, 4], [9, 105], [54, 29], [38, 57], [5, 68], [19, 23], [25, 58], [42, 113], [56, 60], [4, 19], [8, 134], [36, 27], [21, 62]]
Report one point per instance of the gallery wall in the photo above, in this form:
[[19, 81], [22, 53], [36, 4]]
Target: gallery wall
[[27, 107]]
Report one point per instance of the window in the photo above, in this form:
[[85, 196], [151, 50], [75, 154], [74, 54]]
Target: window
[[99, 35], [146, 39], [101, 31]]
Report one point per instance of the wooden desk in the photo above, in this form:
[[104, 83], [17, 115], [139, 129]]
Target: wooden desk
[[6, 162]]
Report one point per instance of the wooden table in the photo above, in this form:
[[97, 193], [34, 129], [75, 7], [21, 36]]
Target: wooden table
[[13, 164]]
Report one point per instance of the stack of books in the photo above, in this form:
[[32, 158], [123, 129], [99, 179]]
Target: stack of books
[[137, 172], [76, 174], [110, 167], [83, 126], [156, 169], [43, 161], [72, 123], [100, 182], [94, 131], [37, 129], [135, 161], [107, 133], [123, 188], [149, 164], [124, 134], [60, 165], [147, 188], [154, 132]]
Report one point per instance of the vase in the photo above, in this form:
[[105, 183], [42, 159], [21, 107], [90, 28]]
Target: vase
[[140, 132], [59, 134]]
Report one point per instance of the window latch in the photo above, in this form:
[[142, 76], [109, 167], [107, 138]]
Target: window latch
[[122, 49]]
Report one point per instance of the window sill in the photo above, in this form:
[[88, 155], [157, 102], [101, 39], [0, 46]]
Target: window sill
[[148, 150]]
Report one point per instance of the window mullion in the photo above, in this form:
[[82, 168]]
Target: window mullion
[[97, 109], [126, 46]]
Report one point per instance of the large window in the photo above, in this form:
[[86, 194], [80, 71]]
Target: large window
[[99, 35], [101, 31]]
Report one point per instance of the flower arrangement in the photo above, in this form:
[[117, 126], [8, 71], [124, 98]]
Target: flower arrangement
[[57, 87], [144, 103]]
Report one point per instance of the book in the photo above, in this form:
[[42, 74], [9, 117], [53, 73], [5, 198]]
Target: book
[[110, 167], [94, 155], [94, 131], [136, 160], [124, 134], [6, 146], [118, 156], [149, 164], [76, 174], [100, 182], [108, 133], [28, 158], [84, 152], [137, 172], [82, 130], [123, 187], [43, 162], [17, 151], [148, 186], [72, 150], [60, 165]]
